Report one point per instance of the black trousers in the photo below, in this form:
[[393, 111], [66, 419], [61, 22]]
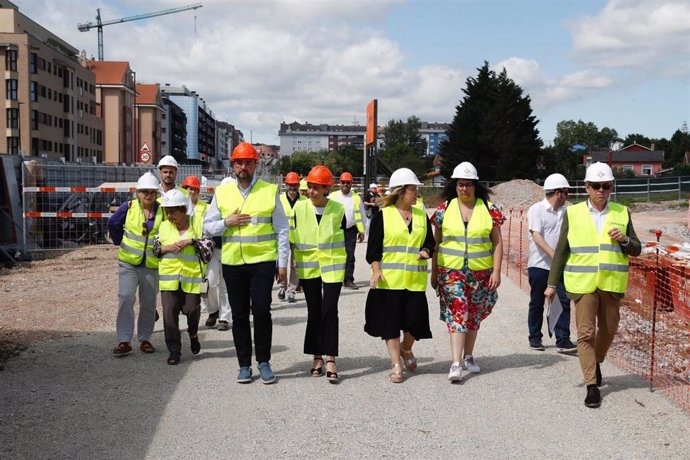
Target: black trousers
[[321, 337], [350, 245], [174, 302], [249, 289]]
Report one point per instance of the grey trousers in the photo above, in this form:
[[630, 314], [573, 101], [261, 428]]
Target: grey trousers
[[146, 280]]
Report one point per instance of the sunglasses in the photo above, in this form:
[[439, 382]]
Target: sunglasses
[[346, 183], [148, 192], [596, 186], [145, 230]]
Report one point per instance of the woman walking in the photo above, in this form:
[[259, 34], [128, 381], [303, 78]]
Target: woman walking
[[132, 227], [180, 274], [318, 235], [400, 243], [467, 267]]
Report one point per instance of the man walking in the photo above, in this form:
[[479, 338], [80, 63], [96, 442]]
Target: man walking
[[250, 217], [167, 167], [597, 236], [544, 226], [354, 214]]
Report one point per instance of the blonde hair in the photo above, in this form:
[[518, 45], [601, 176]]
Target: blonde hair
[[390, 200]]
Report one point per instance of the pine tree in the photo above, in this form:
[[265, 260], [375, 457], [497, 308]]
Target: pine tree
[[494, 129]]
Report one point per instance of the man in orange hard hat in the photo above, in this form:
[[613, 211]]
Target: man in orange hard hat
[[289, 199], [354, 214], [249, 216]]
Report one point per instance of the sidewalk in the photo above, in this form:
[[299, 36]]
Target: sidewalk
[[72, 399]]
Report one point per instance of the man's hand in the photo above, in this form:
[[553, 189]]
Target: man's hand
[[550, 293], [360, 237], [237, 219], [281, 275]]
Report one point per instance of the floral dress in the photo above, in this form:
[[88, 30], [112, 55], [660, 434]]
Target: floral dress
[[464, 294]]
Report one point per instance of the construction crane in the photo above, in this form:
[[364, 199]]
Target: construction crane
[[99, 24]]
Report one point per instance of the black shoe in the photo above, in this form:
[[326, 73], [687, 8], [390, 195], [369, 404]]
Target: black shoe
[[211, 320], [538, 346], [599, 378], [593, 398], [174, 358], [196, 346], [223, 326], [566, 347]]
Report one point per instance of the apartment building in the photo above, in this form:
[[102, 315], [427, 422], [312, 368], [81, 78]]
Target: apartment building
[[149, 110], [434, 133], [306, 137], [224, 143], [173, 131], [50, 98]]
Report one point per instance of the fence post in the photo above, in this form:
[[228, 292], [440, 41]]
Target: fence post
[[656, 287], [679, 187], [510, 223], [648, 187], [520, 253]]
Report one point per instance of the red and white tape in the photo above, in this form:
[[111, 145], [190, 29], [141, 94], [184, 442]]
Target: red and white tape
[[92, 189], [91, 215]]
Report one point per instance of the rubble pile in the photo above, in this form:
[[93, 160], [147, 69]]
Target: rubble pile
[[517, 194]]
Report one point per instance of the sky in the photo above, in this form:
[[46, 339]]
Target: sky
[[621, 64]]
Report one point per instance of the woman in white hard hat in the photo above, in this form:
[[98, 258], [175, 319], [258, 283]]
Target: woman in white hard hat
[[466, 270], [400, 243], [132, 228], [180, 273]]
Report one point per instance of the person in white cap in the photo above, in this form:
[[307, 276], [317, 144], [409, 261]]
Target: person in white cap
[[370, 202], [466, 268], [597, 237], [167, 167], [400, 244], [544, 226], [132, 227]]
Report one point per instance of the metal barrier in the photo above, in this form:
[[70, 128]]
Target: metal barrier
[[654, 330]]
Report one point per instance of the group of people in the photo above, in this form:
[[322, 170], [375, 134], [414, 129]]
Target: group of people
[[305, 240]]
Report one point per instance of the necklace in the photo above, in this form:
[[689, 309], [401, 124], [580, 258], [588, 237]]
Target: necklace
[[406, 214]]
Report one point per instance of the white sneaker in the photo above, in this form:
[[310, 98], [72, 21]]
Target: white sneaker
[[455, 374], [469, 365], [291, 297]]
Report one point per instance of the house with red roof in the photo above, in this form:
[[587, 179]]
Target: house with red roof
[[641, 160]]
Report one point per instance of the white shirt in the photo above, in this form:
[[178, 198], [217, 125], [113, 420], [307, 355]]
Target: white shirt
[[598, 217], [543, 219], [349, 203]]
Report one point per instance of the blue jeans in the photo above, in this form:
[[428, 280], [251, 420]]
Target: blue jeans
[[538, 280]]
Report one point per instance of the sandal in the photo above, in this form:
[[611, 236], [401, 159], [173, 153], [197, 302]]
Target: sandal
[[174, 359], [317, 371], [396, 376], [146, 347], [411, 363], [331, 376], [122, 349]]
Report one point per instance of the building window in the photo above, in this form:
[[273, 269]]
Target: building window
[[11, 89], [33, 63], [13, 145], [34, 119], [11, 60], [33, 91], [646, 170], [628, 168], [13, 118]]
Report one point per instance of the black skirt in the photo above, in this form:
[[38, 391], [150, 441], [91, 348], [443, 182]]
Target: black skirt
[[390, 311]]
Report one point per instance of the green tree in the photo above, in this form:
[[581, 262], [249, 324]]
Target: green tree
[[639, 138], [679, 144], [398, 132], [346, 158], [405, 156], [494, 129], [299, 162], [570, 135]]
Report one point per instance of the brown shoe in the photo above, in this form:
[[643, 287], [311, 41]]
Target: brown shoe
[[146, 347], [122, 349], [350, 285]]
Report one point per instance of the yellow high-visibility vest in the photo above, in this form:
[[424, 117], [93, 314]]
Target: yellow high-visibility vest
[[400, 264], [472, 242], [134, 243], [200, 209], [179, 270], [289, 210], [595, 260], [319, 246], [356, 203], [257, 241]]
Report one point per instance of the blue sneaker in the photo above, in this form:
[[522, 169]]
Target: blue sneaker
[[245, 375], [267, 375]]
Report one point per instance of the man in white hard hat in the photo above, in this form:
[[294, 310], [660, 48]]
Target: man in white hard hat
[[370, 197], [596, 239], [544, 226], [168, 171]]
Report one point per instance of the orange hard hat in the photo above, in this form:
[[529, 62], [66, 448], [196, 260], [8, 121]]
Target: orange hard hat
[[191, 181], [292, 178], [320, 175], [346, 177], [244, 151]]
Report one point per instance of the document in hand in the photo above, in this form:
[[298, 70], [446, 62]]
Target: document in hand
[[554, 310]]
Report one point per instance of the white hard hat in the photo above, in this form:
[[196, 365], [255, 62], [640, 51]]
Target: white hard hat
[[373, 185], [168, 160], [147, 182], [465, 170], [599, 172], [174, 198], [228, 179], [555, 181], [403, 176]]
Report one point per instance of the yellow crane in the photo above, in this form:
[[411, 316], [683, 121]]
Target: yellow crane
[[100, 24]]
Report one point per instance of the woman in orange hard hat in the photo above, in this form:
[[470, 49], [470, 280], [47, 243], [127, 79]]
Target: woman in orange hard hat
[[289, 199], [318, 234]]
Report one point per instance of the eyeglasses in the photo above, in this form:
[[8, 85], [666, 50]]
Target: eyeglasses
[[465, 185], [148, 192], [346, 183], [596, 186], [563, 191]]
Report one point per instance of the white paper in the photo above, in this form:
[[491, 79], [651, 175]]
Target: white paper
[[553, 313]]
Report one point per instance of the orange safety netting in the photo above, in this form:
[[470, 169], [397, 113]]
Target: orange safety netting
[[653, 339]]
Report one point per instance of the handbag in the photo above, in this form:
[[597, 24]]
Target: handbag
[[204, 281], [204, 252]]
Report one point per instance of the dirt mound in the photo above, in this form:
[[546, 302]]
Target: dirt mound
[[517, 194]]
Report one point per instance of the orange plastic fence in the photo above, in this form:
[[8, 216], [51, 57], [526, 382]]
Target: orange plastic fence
[[653, 339]]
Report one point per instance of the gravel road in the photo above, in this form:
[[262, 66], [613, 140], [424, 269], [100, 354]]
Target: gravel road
[[69, 398]]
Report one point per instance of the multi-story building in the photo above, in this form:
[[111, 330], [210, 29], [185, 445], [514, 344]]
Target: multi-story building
[[434, 133], [49, 99], [149, 111], [311, 138], [173, 131], [115, 95], [224, 143], [201, 124]]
